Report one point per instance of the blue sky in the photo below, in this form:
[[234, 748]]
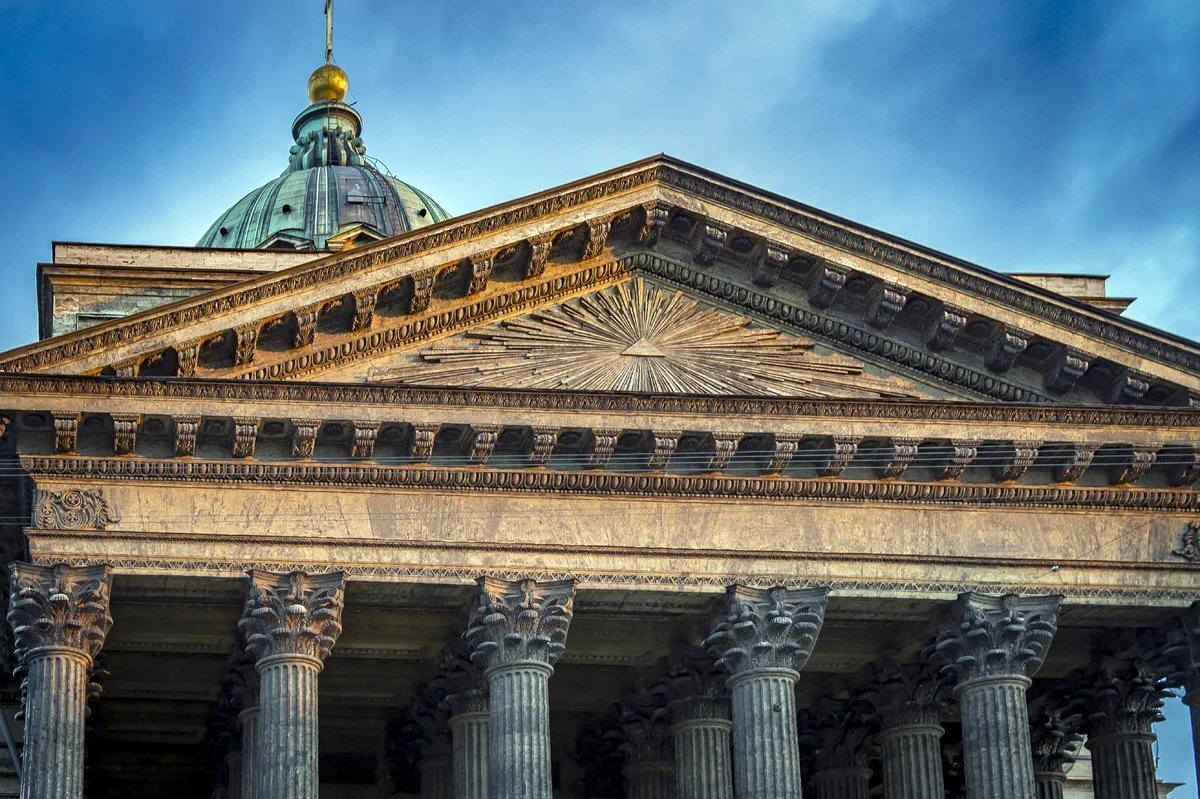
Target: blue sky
[[1054, 136]]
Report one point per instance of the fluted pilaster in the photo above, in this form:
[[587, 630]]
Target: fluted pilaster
[[519, 731], [702, 728], [518, 631], [842, 783], [469, 734], [764, 639], [248, 719], [703, 762], [290, 624], [909, 700], [994, 645], [912, 762], [653, 779], [1050, 785], [60, 618], [1121, 699]]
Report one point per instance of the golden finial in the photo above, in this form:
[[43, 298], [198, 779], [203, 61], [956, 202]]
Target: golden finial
[[328, 82]]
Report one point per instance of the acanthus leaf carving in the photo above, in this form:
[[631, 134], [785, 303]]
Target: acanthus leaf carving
[[306, 326], [304, 437], [694, 685], [1003, 348], [365, 301], [945, 323], [604, 443], [595, 237], [422, 291], [59, 606], [884, 302], [518, 621], [74, 509], [187, 357], [245, 436], [906, 694], [710, 242], [825, 281], [664, 444], [245, 344], [542, 442], [654, 220], [483, 443], [1016, 460], [1065, 370], [842, 450], [66, 432], [767, 628], [1119, 695], [539, 256], [125, 427], [423, 438], [294, 614], [725, 446], [186, 428], [479, 272], [770, 264], [990, 636], [365, 435]]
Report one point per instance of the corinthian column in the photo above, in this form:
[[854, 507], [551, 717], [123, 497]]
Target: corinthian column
[[994, 645], [241, 686], [702, 725], [467, 708], [764, 641], [1054, 738], [909, 700], [290, 624], [1121, 699], [1182, 663], [649, 762], [518, 631], [433, 743], [838, 733], [59, 617]]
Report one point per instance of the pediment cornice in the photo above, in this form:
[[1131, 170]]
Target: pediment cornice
[[560, 242]]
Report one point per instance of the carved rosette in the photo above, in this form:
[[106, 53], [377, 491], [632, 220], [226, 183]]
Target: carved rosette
[[74, 509], [907, 694], [59, 607], [694, 685], [294, 614], [767, 628], [998, 636], [517, 621]]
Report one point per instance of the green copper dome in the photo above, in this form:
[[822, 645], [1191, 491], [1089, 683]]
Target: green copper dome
[[329, 198]]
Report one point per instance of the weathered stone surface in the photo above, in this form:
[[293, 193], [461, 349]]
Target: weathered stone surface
[[909, 700], [993, 646], [702, 727], [836, 736], [1054, 737], [766, 636], [467, 708]]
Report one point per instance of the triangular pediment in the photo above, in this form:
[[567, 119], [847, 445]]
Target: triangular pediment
[[782, 271], [636, 336]]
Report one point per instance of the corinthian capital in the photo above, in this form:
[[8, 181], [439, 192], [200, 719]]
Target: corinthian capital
[[520, 620], [292, 614], [694, 685], [1119, 695], [461, 678], [767, 628], [907, 694], [59, 606], [1177, 654], [1054, 731], [998, 636]]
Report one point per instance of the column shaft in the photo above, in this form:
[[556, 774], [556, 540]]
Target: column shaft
[[55, 701], [997, 758], [765, 747], [519, 731], [652, 780], [912, 762], [286, 759], [703, 765], [842, 783], [1123, 765], [437, 779], [249, 769], [233, 768], [1050, 785], [469, 737]]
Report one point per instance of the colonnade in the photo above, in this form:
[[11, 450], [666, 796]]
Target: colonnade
[[719, 722]]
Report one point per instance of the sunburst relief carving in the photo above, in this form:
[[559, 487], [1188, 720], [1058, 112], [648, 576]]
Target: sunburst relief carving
[[638, 337]]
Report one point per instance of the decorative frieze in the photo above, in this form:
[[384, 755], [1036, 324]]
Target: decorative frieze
[[824, 282], [770, 263], [884, 302], [125, 428], [542, 442], [1065, 370], [245, 343], [306, 325], [595, 236], [185, 430], [365, 301], [245, 436], [365, 435], [710, 242], [654, 220], [479, 272], [1003, 348], [304, 437], [74, 509], [943, 327], [422, 291], [66, 432]]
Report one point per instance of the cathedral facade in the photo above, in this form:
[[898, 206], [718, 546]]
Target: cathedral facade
[[653, 485]]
